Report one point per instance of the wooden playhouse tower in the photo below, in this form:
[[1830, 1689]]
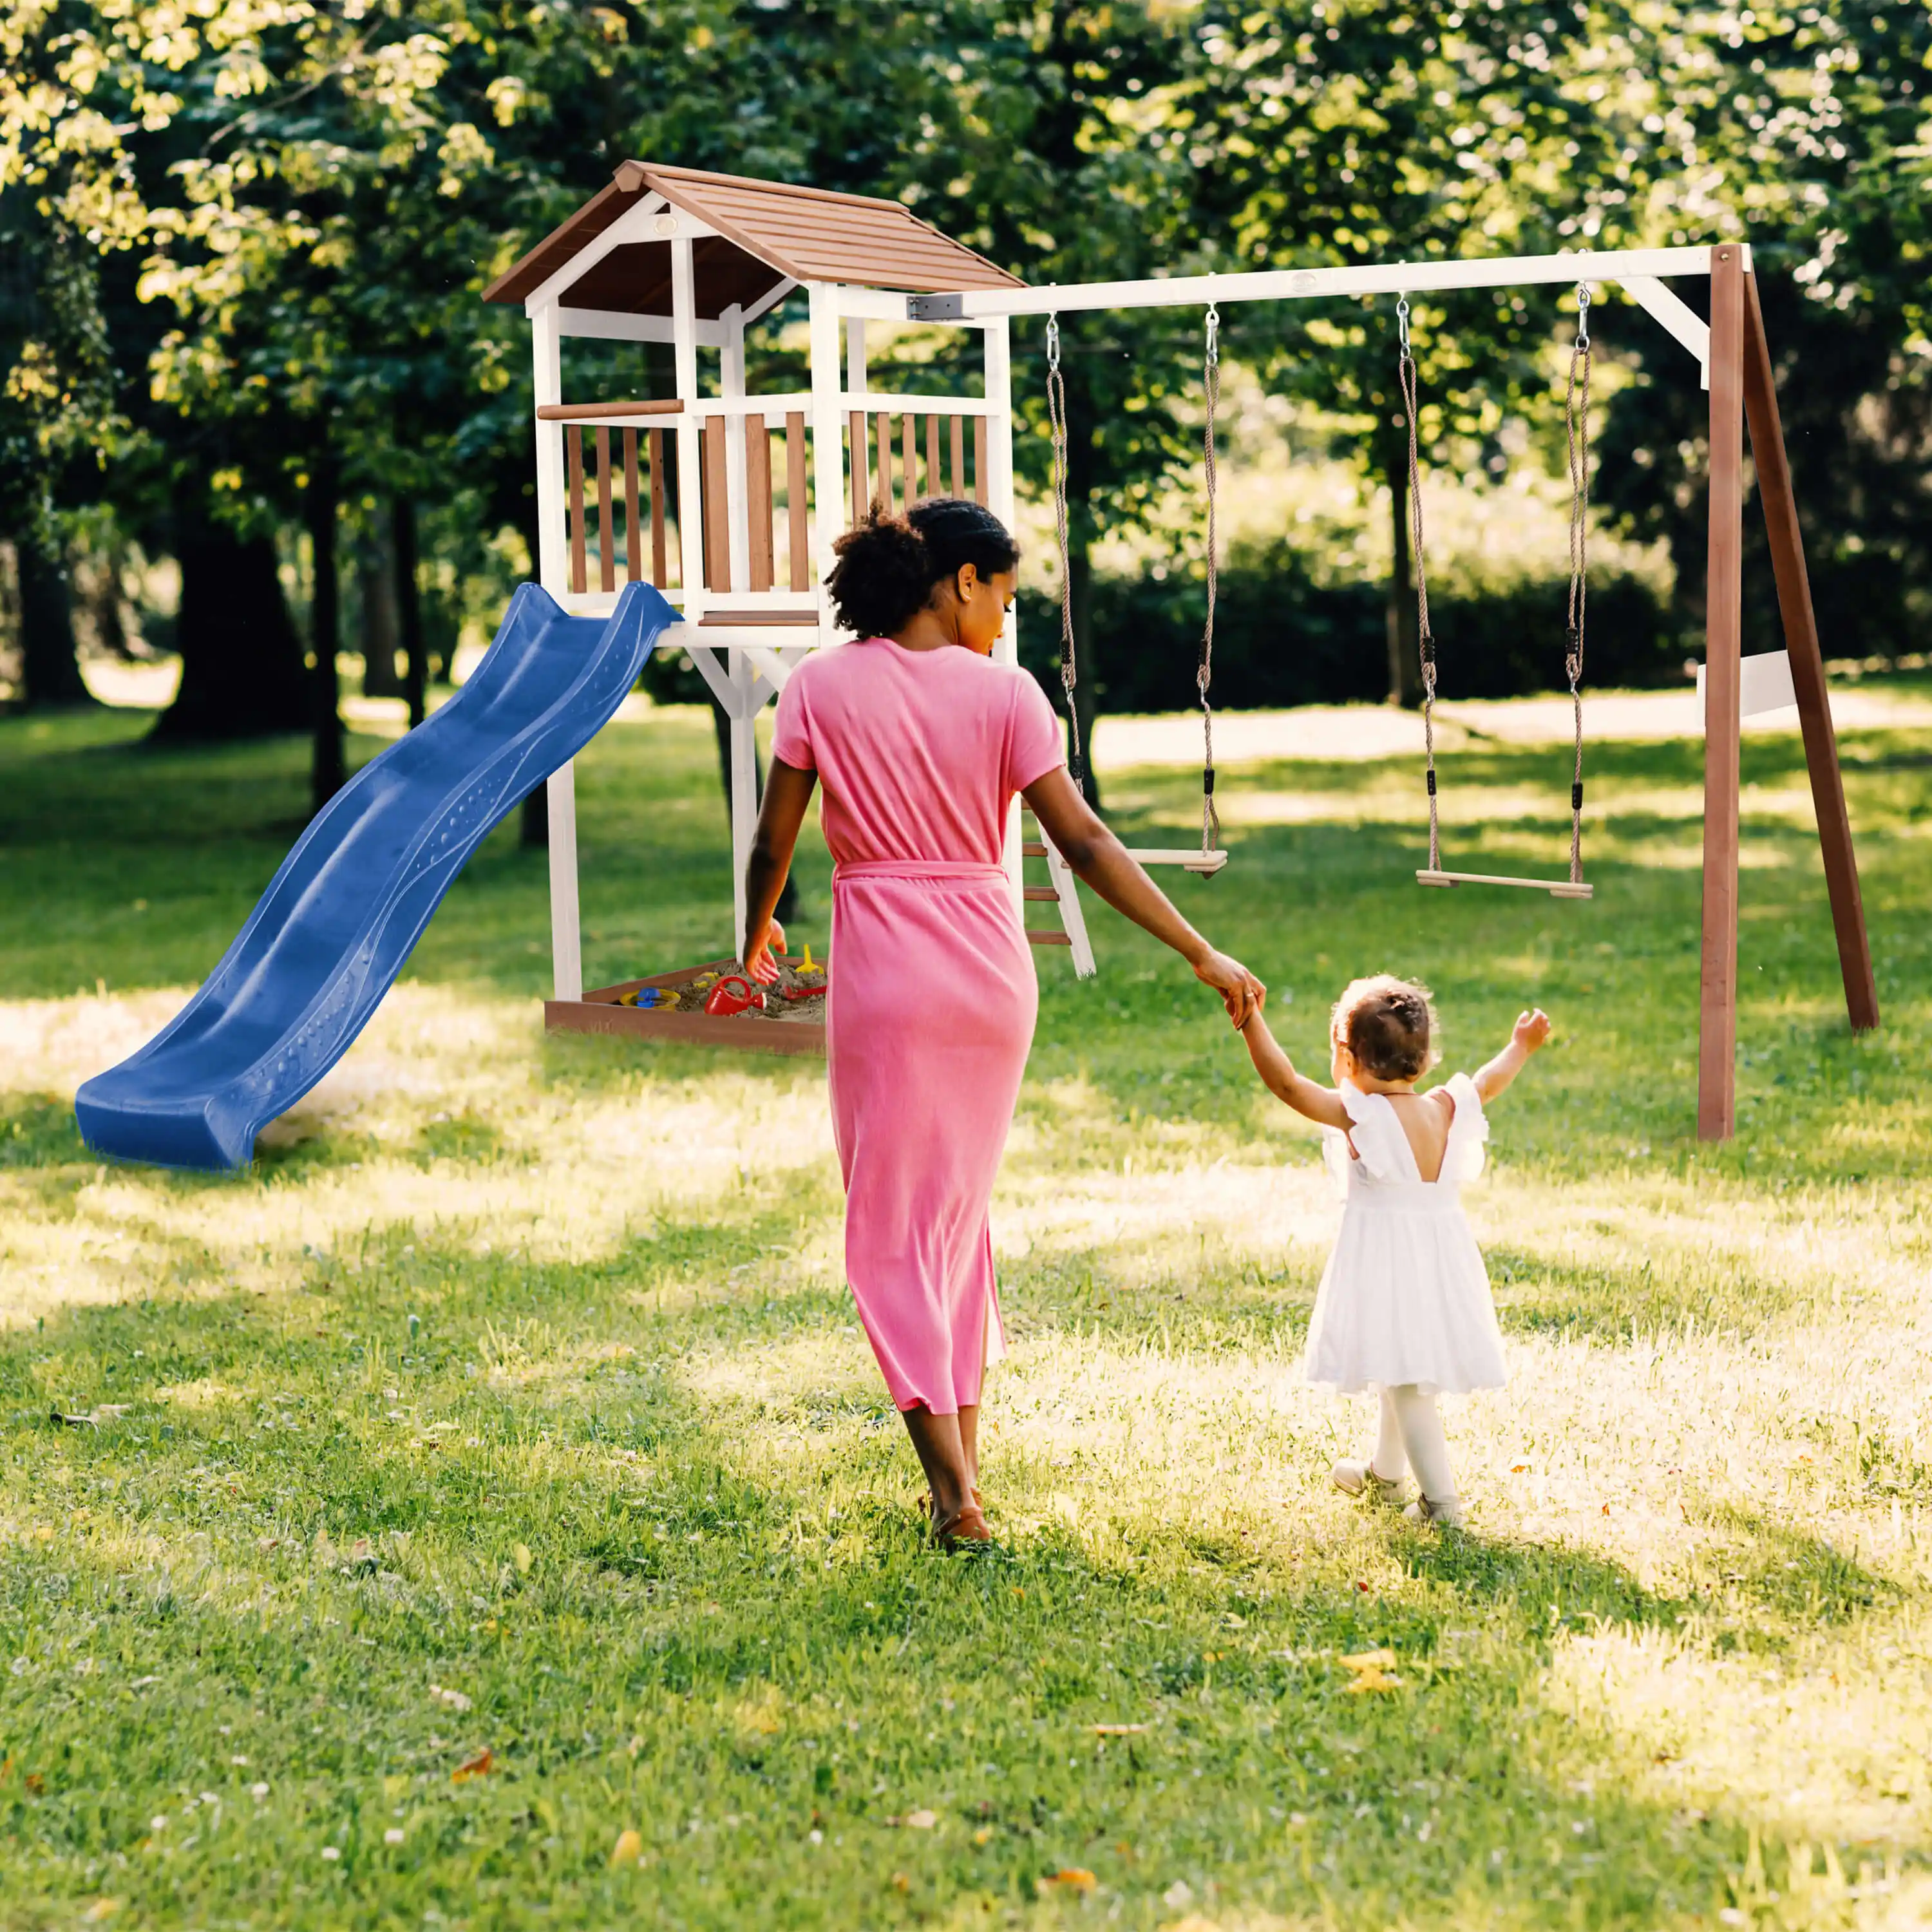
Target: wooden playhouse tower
[[728, 502]]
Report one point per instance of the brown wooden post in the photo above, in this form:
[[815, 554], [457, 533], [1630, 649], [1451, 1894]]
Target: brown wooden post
[[980, 461], [633, 534], [861, 479], [958, 455], [1717, 973], [606, 541], [1807, 667], [909, 432], [660, 562], [717, 508], [935, 485], [882, 492], [798, 538], [758, 500], [573, 454]]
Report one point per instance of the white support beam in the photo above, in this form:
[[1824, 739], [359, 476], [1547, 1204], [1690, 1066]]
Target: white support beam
[[715, 674], [599, 324], [690, 493], [744, 791], [1676, 315], [566, 930], [1389, 278], [999, 408], [828, 446], [766, 303], [650, 220]]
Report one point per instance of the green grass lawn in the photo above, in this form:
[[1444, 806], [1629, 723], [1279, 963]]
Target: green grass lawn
[[498, 1468]]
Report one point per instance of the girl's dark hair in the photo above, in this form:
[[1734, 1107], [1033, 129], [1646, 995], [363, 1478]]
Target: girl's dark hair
[[1388, 1026], [888, 564]]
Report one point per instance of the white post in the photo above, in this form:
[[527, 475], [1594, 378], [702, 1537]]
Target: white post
[[690, 491], [566, 936], [828, 465], [855, 354], [737, 492], [1000, 501], [744, 789]]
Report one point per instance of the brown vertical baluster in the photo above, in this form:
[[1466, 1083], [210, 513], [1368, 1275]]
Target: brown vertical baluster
[[1723, 615], [717, 510], [758, 500], [798, 539], [882, 493], [607, 534], [1807, 668], [957, 480], [935, 485], [573, 459], [660, 560], [909, 432], [633, 534], [980, 461], [861, 478]]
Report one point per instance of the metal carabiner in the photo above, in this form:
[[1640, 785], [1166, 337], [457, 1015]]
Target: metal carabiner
[[1583, 315], [1402, 322], [1214, 335], [1053, 340]]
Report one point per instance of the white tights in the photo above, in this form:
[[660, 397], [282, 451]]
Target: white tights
[[1411, 1438]]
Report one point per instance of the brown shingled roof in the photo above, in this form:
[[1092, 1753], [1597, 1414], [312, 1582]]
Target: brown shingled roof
[[768, 232]]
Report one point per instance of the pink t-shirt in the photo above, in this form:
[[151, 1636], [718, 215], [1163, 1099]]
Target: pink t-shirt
[[919, 752]]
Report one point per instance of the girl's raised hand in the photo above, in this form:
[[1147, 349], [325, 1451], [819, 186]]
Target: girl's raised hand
[[1531, 1031], [758, 952]]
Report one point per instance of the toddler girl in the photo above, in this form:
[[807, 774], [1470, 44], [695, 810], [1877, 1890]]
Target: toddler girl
[[1405, 1302]]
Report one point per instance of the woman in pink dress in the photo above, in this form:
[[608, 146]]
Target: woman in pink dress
[[921, 742]]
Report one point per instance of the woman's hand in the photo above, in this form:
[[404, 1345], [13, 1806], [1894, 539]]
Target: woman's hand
[[1241, 993], [758, 961]]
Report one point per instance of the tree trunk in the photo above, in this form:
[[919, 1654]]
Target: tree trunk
[[240, 656], [1405, 670], [50, 670], [327, 769], [382, 622], [409, 607]]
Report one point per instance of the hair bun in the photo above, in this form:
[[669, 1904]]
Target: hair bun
[[887, 565]]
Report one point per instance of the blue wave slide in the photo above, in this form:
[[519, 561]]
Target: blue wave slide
[[337, 921]]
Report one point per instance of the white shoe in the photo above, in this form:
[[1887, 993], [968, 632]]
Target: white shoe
[[1354, 1479], [1447, 1512]]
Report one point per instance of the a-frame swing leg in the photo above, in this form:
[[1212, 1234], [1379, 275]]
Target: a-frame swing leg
[[1807, 668], [1741, 380], [1723, 622]]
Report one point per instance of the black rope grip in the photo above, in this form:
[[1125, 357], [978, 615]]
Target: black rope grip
[[1432, 785], [1207, 780], [1577, 795]]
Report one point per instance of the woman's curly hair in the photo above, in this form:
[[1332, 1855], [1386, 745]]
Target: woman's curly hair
[[888, 564], [1388, 1025]]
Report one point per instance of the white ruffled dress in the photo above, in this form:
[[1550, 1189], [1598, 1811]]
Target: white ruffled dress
[[1405, 1297]]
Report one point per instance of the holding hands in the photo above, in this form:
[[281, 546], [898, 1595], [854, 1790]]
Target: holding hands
[[1241, 993]]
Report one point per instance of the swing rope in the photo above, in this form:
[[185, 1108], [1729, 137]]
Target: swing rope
[[1577, 423], [1425, 637], [1210, 820], [1056, 418]]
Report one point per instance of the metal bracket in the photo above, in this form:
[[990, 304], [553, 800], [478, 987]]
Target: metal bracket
[[935, 308]]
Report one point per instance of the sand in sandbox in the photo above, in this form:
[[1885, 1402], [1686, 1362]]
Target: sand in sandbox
[[777, 1008]]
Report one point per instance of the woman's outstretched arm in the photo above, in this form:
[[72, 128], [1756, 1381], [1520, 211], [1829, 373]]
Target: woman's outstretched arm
[[787, 792], [1099, 858]]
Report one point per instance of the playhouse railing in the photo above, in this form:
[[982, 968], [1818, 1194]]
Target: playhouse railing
[[626, 492]]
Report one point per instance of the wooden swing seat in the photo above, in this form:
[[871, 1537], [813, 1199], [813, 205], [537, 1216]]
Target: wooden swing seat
[[1204, 865], [1557, 889]]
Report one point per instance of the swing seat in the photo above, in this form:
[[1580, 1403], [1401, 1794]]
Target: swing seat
[[1204, 864], [1557, 889]]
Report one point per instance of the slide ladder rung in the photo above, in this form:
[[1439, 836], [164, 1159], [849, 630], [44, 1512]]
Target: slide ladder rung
[[1048, 935], [1045, 894], [1033, 849]]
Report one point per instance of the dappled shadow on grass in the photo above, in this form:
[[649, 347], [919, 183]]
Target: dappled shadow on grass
[[652, 1612]]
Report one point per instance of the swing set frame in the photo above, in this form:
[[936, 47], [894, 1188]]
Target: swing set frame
[[1735, 362]]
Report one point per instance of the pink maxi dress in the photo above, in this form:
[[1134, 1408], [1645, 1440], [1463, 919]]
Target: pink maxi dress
[[933, 996]]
